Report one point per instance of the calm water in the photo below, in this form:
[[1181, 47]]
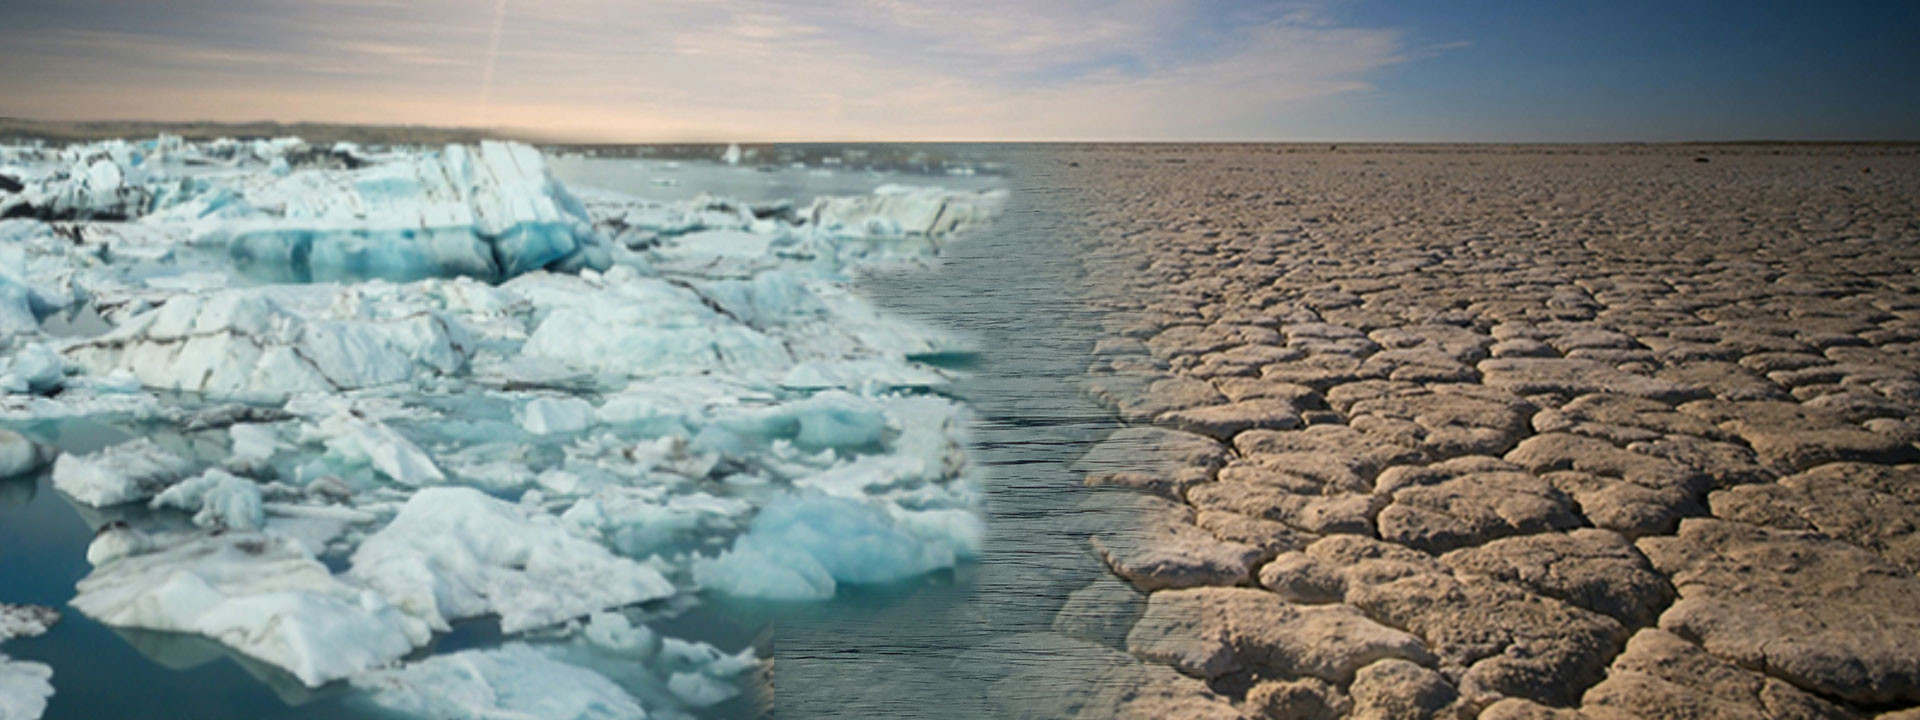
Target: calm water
[[919, 649]]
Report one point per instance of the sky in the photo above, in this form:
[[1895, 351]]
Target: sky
[[877, 70]]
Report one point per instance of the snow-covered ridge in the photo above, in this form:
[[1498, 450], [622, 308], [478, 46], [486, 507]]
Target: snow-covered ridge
[[398, 389]]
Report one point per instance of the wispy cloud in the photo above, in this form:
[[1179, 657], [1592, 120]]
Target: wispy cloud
[[666, 69]]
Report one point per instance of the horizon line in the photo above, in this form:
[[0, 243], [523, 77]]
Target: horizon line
[[9, 129]]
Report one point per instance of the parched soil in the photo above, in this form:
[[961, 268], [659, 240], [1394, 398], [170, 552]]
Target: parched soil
[[1509, 432]]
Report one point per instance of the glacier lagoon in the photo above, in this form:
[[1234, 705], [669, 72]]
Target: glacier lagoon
[[783, 509]]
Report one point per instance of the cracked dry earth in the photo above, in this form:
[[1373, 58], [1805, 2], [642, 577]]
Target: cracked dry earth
[[1492, 432]]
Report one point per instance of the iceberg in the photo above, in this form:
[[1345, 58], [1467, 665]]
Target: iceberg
[[371, 392], [455, 553], [19, 456], [512, 682], [254, 344], [262, 595], [357, 441], [493, 212], [132, 471], [218, 499], [802, 547], [905, 210]]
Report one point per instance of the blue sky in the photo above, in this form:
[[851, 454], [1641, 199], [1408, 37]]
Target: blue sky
[[649, 70]]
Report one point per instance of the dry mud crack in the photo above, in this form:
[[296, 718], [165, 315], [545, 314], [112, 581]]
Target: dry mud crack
[[1506, 432]]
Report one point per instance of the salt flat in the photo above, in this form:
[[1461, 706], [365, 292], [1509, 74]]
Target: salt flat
[[1511, 431]]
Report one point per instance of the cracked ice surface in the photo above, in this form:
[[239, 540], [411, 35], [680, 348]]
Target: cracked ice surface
[[378, 393]]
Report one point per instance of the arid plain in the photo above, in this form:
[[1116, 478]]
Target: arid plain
[[1507, 431]]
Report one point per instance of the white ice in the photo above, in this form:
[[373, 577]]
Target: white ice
[[803, 546], [218, 499], [456, 553], [24, 685], [262, 595], [132, 471], [18, 455], [649, 393], [512, 682]]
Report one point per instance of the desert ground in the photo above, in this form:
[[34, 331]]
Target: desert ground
[[1506, 431]]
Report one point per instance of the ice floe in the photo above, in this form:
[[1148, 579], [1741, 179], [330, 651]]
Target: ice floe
[[262, 595], [368, 393], [24, 686], [129, 472], [512, 682], [455, 553]]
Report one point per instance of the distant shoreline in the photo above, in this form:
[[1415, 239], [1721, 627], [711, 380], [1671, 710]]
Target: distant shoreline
[[14, 129]]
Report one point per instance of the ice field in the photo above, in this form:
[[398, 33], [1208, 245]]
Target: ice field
[[427, 432]]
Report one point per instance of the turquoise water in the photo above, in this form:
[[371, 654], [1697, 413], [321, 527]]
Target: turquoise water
[[909, 649]]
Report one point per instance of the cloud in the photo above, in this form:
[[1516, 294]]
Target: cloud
[[693, 69]]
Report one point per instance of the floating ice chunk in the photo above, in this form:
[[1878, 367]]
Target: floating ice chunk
[[356, 441], [35, 368], [556, 416], [594, 341], [261, 595], [24, 686], [116, 540], [699, 690], [252, 442], [732, 154], [455, 552], [25, 620], [801, 546], [902, 210], [16, 309], [638, 522], [700, 674], [129, 472], [218, 499], [513, 682], [492, 212], [865, 376], [250, 343], [19, 456], [615, 633], [828, 420]]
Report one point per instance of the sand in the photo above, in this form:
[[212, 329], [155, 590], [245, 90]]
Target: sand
[[1621, 431]]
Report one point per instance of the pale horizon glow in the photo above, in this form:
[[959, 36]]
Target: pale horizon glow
[[867, 70]]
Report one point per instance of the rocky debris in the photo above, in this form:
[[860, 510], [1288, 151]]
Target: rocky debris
[[1210, 632], [1819, 613]]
